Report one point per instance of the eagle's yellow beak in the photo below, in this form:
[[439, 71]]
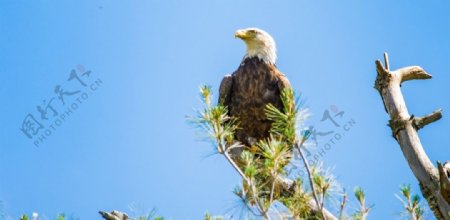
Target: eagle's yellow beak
[[241, 34]]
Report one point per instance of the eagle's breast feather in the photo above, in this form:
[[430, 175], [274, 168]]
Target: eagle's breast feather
[[247, 92]]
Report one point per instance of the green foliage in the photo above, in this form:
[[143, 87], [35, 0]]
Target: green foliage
[[60, 216], [140, 213], [360, 196], [406, 191], [214, 120], [363, 211], [321, 181], [261, 166], [276, 154], [298, 202], [205, 93], [63, 216], [411, 203], [284, 122], [209, 217]]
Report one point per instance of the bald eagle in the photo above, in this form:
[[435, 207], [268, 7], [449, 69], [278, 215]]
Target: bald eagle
[[256, 83]]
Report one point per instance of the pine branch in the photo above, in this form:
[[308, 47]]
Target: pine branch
[[311, 181], [264, 174]]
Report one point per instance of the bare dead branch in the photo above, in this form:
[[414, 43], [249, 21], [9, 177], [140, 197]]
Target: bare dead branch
[[311, 181], [404, 129], [342, 205], [421, 122], [412, 72], [236, 167], [444, 181], [250, 184], [114, 215], [386, 61]]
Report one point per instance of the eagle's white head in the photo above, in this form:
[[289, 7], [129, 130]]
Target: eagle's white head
[[259, 44]]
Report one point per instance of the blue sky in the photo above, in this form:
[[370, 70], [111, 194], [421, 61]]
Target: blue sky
[[129, 142]]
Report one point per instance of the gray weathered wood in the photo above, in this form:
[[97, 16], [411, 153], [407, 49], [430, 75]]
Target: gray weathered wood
[[114, 215], [404, 129]]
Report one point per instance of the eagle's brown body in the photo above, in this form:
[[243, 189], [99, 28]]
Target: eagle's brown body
[[246, 93]]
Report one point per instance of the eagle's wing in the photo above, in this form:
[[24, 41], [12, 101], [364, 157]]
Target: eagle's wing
[[283, 81], [225, 90]]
